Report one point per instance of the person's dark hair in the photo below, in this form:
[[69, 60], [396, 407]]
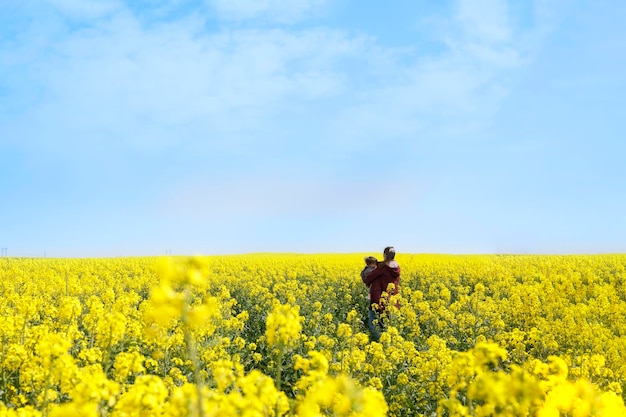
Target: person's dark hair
[[389, 253], [370, 260]]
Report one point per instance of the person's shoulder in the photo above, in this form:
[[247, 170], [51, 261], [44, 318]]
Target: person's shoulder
[[394, 268]]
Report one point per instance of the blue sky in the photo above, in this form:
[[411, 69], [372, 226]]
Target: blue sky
[[233, 126]]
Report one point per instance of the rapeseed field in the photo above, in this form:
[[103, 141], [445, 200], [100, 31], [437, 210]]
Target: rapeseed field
[[282, 335]]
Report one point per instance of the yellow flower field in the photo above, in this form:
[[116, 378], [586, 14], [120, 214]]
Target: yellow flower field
[[281, 335]]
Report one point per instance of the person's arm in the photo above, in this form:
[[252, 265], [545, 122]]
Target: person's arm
[[371, 277], [364, 274]]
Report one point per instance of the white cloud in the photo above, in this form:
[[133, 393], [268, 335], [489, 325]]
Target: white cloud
[[151, 87], [86, 10], [450, 94], [282, 11], [123, 79], [485, 20]]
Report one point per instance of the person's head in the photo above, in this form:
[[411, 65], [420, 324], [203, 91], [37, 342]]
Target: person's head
[[389, 253], [371, 261]]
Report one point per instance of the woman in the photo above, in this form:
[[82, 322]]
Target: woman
[[378, 280]]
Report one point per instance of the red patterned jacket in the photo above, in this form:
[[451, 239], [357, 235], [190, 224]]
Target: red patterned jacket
[[379, 279]]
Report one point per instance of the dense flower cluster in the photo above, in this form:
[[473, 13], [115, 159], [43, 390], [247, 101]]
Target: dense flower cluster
[[282, 335]]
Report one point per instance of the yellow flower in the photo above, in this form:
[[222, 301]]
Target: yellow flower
[[74, 410], [128, 363], [283, 325], [145, 397]]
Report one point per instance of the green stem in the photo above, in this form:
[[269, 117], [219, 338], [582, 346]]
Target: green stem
[[4, 377], [279, 369], [47, 386], [193, 356]]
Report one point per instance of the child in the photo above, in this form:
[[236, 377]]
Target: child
[[370, 264]]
